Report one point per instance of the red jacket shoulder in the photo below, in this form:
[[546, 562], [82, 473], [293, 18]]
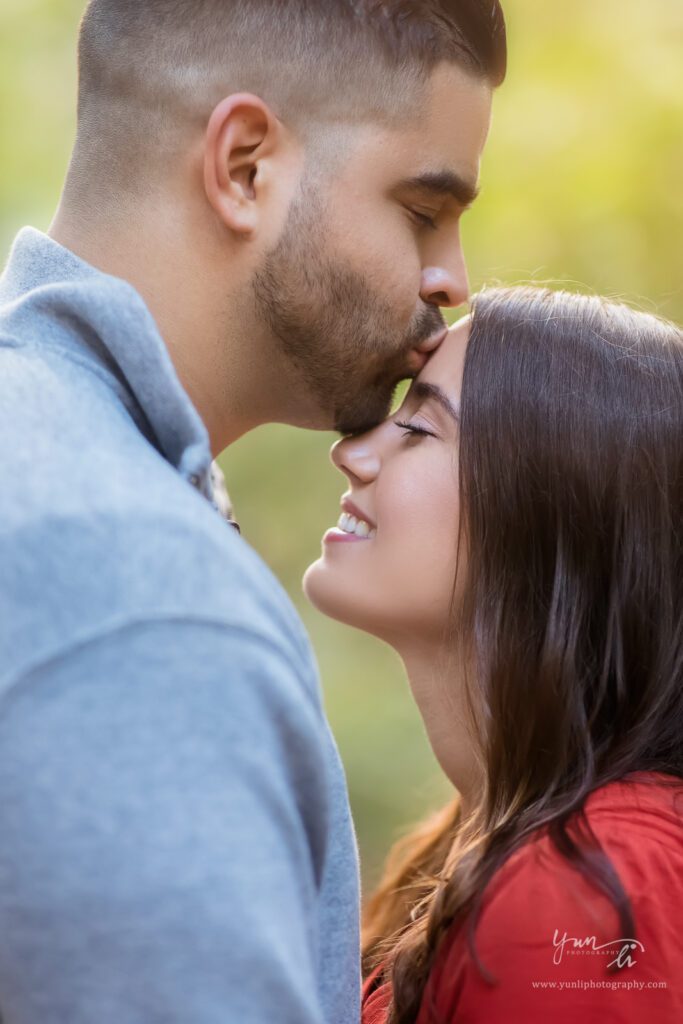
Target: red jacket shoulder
[[547, 934]]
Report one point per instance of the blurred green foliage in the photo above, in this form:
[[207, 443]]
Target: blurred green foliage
[[582, 182]]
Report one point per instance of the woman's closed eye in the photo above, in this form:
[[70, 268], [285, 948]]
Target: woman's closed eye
[[414, 429]]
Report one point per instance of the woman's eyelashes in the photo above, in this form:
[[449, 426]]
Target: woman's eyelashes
[[414, 429]]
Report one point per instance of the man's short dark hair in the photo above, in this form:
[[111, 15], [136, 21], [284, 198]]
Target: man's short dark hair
[[149, 69]]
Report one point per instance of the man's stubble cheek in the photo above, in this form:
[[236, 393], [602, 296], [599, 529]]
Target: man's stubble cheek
[[335, 327]]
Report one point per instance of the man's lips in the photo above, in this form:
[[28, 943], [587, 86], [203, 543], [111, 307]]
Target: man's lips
[[418, 356], [416, 362], [432, 343]]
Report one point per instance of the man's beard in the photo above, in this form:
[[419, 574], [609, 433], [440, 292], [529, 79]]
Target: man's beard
[[343, 339]]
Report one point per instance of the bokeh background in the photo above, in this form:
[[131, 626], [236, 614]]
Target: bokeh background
[[582, 183]]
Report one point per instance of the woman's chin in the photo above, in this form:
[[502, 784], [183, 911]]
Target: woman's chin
[[322, 592], [331, 598]]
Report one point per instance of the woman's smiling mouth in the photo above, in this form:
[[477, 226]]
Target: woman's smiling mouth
[[350, 527], [358, 527]]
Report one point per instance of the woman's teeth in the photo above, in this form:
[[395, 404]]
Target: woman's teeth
[[349, 524]]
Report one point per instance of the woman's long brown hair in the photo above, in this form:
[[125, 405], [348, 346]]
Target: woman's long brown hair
[[571, 497]]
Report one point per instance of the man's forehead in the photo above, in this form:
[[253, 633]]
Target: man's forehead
[[453, 94], [447, 139], [443, 143]]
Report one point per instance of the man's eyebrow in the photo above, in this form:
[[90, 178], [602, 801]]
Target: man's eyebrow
[[421, 389], [443, 183]]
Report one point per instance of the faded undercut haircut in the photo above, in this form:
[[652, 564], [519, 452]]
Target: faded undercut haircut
[[151, 71]]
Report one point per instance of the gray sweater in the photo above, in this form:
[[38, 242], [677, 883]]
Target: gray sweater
[[175, 836]]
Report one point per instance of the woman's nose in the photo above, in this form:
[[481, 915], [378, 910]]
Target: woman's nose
[[357, 458]]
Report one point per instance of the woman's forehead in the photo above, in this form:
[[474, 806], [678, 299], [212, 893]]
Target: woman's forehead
[[446, 365]]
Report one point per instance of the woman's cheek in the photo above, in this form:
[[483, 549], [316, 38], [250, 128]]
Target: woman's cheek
[[421, 542]]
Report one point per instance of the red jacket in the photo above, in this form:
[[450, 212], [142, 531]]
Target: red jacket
[[548, 935]]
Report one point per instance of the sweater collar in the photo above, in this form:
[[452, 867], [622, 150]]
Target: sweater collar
[[106, 320]]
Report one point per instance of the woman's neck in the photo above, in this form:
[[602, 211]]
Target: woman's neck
[[437, 683]]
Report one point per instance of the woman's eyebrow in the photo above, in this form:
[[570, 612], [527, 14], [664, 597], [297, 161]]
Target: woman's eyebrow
[[421, 389]]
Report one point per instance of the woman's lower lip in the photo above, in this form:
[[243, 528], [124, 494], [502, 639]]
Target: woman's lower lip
[[337, 536]]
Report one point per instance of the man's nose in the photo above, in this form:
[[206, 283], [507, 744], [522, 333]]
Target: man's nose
[[446, 283], [357, 458]]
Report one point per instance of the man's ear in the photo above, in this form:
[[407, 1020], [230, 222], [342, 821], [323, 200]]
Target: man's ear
[[242, 132]]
